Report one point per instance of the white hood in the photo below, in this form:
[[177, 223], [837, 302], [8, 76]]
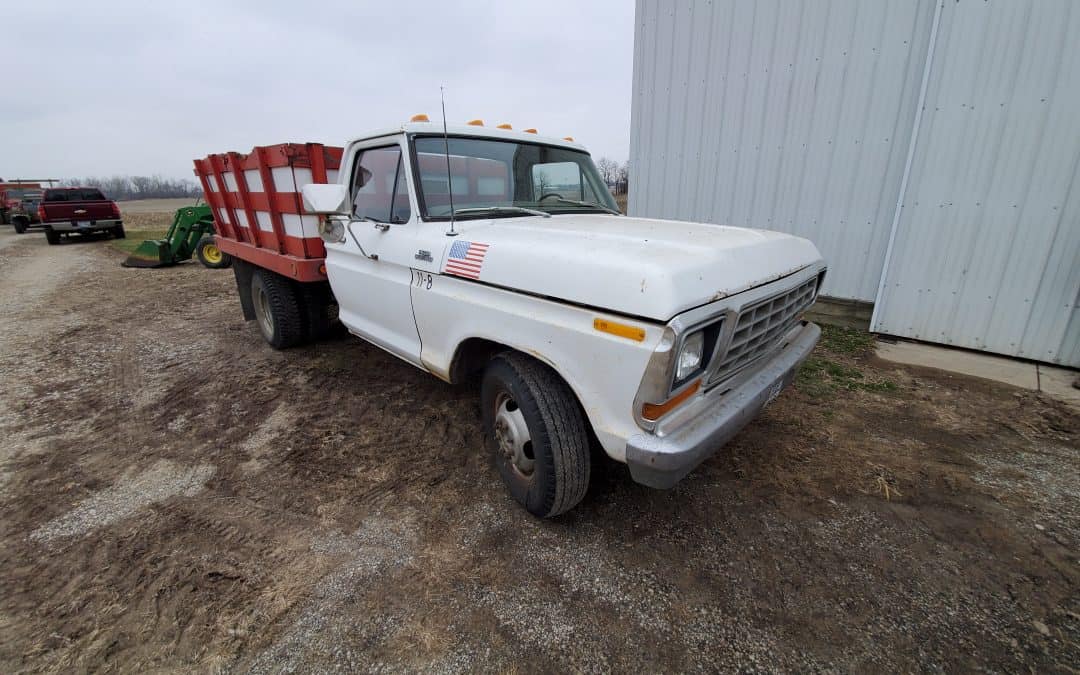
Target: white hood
[[636, 266]]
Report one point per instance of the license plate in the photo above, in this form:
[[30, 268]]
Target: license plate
[[82, 223], [774, 394]]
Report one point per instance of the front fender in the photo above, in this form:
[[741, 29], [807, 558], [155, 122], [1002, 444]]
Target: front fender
[[602, 369]]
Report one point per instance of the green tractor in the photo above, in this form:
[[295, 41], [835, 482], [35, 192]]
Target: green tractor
[[191, 233]]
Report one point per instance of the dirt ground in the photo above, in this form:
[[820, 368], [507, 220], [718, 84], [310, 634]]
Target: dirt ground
[[175, 496]]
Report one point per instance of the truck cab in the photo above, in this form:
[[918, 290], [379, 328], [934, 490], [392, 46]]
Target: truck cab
[[501, 253]]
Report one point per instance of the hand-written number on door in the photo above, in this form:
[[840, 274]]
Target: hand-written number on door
[[421, 280]]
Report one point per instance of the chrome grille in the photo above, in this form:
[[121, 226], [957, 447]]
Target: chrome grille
[[760, 326]]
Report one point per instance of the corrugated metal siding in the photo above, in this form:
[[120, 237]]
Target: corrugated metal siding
[[987, 249], [798, 116], [791, 116]]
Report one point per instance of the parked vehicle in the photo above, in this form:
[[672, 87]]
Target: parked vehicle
[[78, 210], [19, 203], [499, 253]]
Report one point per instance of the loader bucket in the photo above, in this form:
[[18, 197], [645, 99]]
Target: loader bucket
[[151, 253]]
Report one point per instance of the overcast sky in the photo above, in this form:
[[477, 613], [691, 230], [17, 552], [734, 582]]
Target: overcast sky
[[137, 87]]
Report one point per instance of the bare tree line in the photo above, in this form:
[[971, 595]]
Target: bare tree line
[[138, 187], [617, 176]]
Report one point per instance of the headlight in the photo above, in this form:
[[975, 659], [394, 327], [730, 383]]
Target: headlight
[[690, 356], [332, 230]]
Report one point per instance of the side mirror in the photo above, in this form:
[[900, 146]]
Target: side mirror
[[325, 198]]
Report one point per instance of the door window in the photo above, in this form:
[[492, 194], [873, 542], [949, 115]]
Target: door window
[[379, 190]]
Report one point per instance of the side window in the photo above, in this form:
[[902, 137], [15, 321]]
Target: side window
[[379, 191]]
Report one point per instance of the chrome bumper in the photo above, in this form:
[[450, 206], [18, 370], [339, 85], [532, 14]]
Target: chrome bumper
[[94, 225], [662, 458]]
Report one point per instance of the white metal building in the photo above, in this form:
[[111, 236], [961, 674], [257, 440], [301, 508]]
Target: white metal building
[[929, 148]]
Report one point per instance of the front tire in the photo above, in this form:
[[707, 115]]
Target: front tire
[[277, 309], [52, 236], [536, 431], [210, 255]]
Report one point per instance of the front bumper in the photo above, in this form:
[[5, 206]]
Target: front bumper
[[662, 458], [67, 226]]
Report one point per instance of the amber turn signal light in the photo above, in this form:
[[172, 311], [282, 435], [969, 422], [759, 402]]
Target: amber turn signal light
[[621, 329], [654, 411]]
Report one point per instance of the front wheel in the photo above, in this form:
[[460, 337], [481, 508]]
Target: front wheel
[[210, 255], [536, 430]]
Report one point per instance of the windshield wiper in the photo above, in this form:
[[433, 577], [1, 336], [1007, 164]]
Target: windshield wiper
[[591, 204], [502, 209]]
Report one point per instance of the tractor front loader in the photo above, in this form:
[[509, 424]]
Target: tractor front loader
[[191, 232]]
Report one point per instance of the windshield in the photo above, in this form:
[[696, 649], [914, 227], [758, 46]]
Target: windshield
[[495, 178]]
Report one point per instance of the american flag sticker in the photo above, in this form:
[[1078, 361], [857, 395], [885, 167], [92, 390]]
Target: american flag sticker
[[466, 259]]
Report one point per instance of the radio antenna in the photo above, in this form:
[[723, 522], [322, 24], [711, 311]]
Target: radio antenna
[[446, 148]]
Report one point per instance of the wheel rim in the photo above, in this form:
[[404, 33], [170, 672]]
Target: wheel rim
[[512, 435], [263, 313], [212, 254]]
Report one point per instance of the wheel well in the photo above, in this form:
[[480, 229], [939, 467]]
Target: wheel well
[[471, 356]]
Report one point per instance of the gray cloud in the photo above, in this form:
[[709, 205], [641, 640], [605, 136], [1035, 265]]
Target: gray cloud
[[135, 87]]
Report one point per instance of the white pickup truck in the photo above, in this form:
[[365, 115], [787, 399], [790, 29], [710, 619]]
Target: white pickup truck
[[501, 253]]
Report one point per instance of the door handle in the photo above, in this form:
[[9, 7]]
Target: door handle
[[382, 227]]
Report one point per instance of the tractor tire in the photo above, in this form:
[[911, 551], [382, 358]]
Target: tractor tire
[[277, 309], [118, 232], [536, 431], [20, 225], [210, 255], [52, 236]]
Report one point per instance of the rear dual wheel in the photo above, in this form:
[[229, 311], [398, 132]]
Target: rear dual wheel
[[277, 309]]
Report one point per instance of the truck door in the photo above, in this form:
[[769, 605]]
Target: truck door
[[370, 271]]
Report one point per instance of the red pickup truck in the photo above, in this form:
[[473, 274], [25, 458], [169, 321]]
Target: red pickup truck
[[78, 210]]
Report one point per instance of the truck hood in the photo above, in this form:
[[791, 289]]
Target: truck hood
[[637, 266]]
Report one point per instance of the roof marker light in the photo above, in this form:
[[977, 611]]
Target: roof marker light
[[568, 138], [504, 126], [530, 131], [475, 123], [419, 118]]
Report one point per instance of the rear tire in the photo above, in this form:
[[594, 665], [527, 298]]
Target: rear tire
[[52, 236], [210, 255], [523, 399], [118, 232], [319, 310], [277, 309], [20, 225]]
